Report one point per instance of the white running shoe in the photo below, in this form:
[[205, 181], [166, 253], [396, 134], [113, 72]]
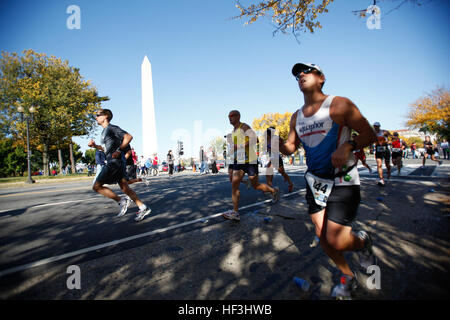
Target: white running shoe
[[142, 213], [381, 182], [124, 203], [343, 290], [366, 256], [231, 215]]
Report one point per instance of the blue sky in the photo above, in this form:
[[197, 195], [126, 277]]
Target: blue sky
[[205, 64]]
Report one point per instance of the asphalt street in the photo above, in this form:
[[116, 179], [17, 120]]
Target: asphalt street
[[47, 227]]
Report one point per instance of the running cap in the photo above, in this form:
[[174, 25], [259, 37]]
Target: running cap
[[376, 124], [299, 66]]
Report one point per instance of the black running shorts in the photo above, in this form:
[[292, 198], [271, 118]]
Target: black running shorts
[[250, 169], [342, 205], [386, 155], [111, 173], [395, 155]]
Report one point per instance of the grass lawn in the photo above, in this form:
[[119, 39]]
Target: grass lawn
[[65, 176]]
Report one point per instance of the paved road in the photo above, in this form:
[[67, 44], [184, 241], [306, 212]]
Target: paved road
[[45, 228]]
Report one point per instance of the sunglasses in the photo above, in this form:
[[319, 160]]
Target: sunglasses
[[306, 71], [99, 115]]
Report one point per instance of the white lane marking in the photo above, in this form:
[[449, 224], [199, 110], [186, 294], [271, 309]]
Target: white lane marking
[[123, 240]]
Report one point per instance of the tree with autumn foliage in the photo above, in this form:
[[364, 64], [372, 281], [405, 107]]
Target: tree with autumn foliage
[[298, 15], [280, 121], [432, 113], [65, 102]]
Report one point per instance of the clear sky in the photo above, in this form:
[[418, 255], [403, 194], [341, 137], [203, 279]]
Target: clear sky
[[205, 64]]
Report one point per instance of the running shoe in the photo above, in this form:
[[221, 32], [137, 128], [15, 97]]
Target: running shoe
[[370, 170], [231, 215], [440, 162], [276, 195], [343, 290], [381, 182], [315, 242], [249, 184], [142, 213], [366, 256], [147, 183], [124, 203]]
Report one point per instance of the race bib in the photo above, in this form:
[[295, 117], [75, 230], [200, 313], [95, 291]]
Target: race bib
[[381, 148], [396, 149], [240, 155], [321, 188]]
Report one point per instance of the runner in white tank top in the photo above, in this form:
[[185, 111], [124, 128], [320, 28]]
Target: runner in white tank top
[[324, 125], [321, 136]]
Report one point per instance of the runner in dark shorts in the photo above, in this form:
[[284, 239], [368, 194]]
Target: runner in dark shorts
[[243, 141], [270, 135], [360, 155], [323, 127], [382, 152], [114, 140], [429, 151]]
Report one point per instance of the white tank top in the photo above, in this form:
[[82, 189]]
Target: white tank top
[[321, 136]]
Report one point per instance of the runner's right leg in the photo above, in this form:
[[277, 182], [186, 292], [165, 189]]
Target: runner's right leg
[[235, 193], [380, 170]]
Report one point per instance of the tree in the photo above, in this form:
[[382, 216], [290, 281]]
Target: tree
[[432, 113], [280, 121], [296, 15], [13, 158], [65, 102], [300, 15], [89, 156], [217, 146]]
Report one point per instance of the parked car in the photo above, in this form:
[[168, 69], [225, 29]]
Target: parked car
[[220, 164]]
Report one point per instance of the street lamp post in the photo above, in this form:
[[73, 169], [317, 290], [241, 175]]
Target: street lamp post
[[32, 110]]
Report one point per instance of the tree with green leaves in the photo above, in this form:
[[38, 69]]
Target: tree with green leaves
[[64, 101], [13, 158]]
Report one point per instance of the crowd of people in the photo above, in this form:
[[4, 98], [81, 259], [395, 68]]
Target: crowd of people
[[323, 126]]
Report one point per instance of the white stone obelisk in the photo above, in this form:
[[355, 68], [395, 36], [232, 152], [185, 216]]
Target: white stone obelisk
[[149, 140]]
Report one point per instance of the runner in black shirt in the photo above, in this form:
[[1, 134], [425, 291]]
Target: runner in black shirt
[[429, 150], [114, 140]]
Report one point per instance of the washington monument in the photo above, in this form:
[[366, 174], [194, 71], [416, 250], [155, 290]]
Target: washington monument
[[149, 141]]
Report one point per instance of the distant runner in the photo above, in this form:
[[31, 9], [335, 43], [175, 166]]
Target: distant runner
[[429, 150], [382, 152], [360, 155], [272, 161], [398, 146]]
